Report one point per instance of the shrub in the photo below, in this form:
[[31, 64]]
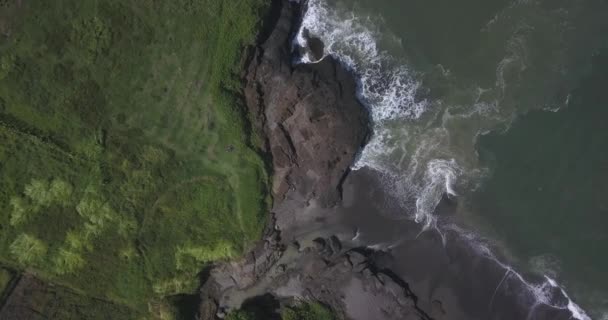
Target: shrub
[[240, 315], [20, 212], [308, 311], [28, 250], [67, 261]]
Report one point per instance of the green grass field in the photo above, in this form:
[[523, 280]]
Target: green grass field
[[125, 157]]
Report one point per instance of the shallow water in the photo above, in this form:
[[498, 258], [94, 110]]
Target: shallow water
[[488, 101]]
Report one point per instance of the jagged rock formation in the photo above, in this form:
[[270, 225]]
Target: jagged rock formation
[[309, 113], [314, 127]]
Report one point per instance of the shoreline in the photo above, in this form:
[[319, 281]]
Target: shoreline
[[339, 229], [469, 281], [541, 288]]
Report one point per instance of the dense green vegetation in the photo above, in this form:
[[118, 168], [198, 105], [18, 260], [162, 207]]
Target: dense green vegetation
[[308, 311], [241, 315], [34, 299], [301, 311], [5, 279], [125, 160]]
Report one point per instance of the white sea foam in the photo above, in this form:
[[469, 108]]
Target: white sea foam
[[402, 146], [388, 88], [543, 293], [439, 178], [576, 311], [413, 155]]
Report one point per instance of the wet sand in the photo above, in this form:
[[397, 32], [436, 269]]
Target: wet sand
[[452, 280]]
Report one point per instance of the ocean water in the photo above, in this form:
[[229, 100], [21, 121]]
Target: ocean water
[[498, 105]]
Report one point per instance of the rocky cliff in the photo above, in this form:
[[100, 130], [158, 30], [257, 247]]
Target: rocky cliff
[[314, 126], [309, 113]]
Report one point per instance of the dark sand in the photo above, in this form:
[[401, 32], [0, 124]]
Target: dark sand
[[452, 281]]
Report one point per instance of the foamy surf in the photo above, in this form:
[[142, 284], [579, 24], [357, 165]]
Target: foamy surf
[[545, 293], [440, 177], [385, 86], [421, 163]]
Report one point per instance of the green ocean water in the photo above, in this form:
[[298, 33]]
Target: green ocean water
[[547, 196], [500, 103]]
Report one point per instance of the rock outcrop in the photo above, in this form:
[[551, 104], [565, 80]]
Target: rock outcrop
[[309, 113], [314, 126]]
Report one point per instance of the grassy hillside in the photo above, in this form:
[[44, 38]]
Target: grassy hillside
[[125, 165]]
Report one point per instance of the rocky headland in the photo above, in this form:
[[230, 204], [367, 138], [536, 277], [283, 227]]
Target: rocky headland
[[314, 126], [335, 236]]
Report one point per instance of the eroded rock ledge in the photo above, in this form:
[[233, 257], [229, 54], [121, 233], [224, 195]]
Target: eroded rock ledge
[[314, 127], [310, 115]]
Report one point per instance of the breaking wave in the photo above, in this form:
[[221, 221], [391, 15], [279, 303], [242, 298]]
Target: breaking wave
[[424, 149], [545, 292], [385, 86], [388, 88]]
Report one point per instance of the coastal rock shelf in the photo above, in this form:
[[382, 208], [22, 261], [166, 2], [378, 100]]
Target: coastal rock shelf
[[310, 115], [314, 126]]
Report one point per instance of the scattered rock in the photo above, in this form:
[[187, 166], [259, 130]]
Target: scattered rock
[[282, 268], [221, 314], [356, 259], [319, 244], [296, 245], [367, 274], [208, 309], [335, 244], [316, 47]]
